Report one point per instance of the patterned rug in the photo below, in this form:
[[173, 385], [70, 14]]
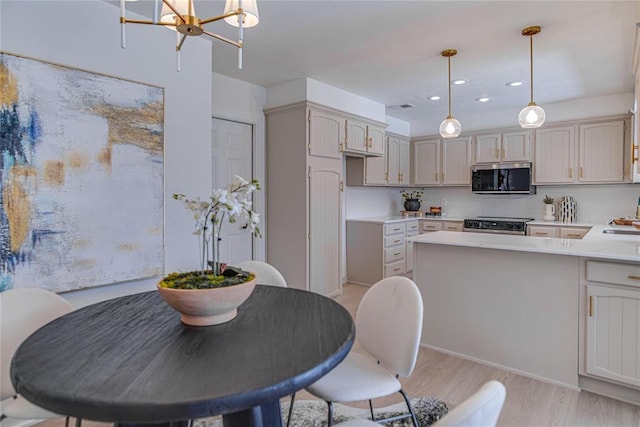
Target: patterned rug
[[313, 413]]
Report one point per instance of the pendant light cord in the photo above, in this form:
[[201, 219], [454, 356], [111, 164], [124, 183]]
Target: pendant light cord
[[531, 62], [449, 61]]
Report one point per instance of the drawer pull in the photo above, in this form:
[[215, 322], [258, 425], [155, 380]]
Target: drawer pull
[[633, 277], [396, 254], [539, 233], [451, 228], [396, 241], [396, 269], [573, 235]]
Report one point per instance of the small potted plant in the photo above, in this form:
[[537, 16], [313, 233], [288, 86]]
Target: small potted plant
[[412, 200], [211, 296], [549, 209]]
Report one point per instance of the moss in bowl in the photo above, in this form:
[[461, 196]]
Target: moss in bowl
[[206, 299]]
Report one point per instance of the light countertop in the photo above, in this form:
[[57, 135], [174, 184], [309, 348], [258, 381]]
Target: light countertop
[[400, 218], [595, 244]]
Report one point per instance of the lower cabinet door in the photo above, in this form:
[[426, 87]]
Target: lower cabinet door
[[613, 334]]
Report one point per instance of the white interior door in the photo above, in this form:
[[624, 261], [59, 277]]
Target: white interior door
[[232, 154]]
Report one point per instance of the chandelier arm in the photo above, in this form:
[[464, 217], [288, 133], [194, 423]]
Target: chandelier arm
[[182, 40], [141, 21], [222, 38], [218, 18], [174, 10]]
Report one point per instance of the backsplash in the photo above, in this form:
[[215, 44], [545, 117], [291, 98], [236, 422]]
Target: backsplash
[[596, 204]]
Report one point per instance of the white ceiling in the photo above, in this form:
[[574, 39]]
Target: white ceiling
[[389, 50]]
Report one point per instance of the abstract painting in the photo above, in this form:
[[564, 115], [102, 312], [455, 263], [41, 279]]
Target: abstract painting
[[81, 177]]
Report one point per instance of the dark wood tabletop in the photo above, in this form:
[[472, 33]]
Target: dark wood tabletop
[[131, 360]]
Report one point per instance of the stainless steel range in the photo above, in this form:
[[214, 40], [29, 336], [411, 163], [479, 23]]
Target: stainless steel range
[[497, 225]]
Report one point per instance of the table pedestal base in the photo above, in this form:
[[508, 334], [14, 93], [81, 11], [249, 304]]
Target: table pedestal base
[[267, 415]]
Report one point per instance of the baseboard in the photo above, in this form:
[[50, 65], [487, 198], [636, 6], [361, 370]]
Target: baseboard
[[608, 389]]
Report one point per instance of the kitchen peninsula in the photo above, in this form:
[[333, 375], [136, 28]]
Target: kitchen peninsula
[[559, 310]]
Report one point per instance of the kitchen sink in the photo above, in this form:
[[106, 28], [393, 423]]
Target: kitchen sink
[[615, 231]]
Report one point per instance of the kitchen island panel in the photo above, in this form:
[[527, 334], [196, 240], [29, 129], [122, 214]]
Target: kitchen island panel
[[509, 309]]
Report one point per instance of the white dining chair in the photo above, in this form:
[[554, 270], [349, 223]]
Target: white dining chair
[[481, 409], [22, 312], [266, 274], [388, 328]]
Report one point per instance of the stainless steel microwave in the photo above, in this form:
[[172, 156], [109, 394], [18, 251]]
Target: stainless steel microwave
[[502, 178]]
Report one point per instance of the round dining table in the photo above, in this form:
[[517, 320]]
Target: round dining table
[[130, 360]]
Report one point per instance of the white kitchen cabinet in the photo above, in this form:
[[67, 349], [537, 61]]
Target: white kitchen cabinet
[[304, 172], [613, 322], [442, 162], [554, 155], [325, 211], [363, 137], [583, 152], [326, 133], [456, 161], [430, 225], [426, 162], [601, 152], [376, 139], [541, 231], [376, 250], [398, 161], [503, 147], [556, 230]]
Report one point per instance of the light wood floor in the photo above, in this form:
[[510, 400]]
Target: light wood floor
[[451, 379]]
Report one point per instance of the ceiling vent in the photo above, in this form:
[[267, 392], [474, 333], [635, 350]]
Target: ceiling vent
[[400, 107]]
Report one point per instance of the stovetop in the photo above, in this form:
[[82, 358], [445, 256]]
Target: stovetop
[[497, 224], [500, 218]]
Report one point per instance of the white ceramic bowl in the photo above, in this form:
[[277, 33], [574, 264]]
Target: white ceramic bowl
[[205, 307]]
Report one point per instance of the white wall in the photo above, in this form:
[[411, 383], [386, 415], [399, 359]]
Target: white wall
[[596, 203], [239, 101], [93, 43]]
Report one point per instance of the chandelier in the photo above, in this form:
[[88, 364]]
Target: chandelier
[[531, 116], [450, 127], [180, 16]]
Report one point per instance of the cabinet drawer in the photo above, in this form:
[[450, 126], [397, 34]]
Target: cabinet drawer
[[394, 254], [611, 272], [452, 226], [395, 269], [572, 232], [412, 226], [396, 240], [537, 231], [431, 226], [394, 228]]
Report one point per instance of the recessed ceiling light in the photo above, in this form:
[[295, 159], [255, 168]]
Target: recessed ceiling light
[[434, 98], [483, 99], [514, 83], [459, 82]]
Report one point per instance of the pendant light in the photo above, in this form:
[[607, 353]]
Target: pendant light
[[450, 127], [531, 116]]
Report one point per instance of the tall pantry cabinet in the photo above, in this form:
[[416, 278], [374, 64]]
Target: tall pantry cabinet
[[304, 195]]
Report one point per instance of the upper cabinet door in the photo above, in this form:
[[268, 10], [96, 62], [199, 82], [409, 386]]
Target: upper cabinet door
[[601, 152], [326, 134], [404, 162], [356, 136], [554, 155], [426, 162], [515, 146], [488, 148], [375, 140], [393, 160], [456, 161]]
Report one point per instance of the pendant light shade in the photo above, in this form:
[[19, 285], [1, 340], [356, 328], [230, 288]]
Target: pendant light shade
[[531, 116], [450, 127]]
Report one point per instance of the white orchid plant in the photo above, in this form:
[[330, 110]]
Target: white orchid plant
[[233, 203]]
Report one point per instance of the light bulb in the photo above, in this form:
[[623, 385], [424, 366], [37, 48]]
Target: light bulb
[[531, 116], [450, 128]]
